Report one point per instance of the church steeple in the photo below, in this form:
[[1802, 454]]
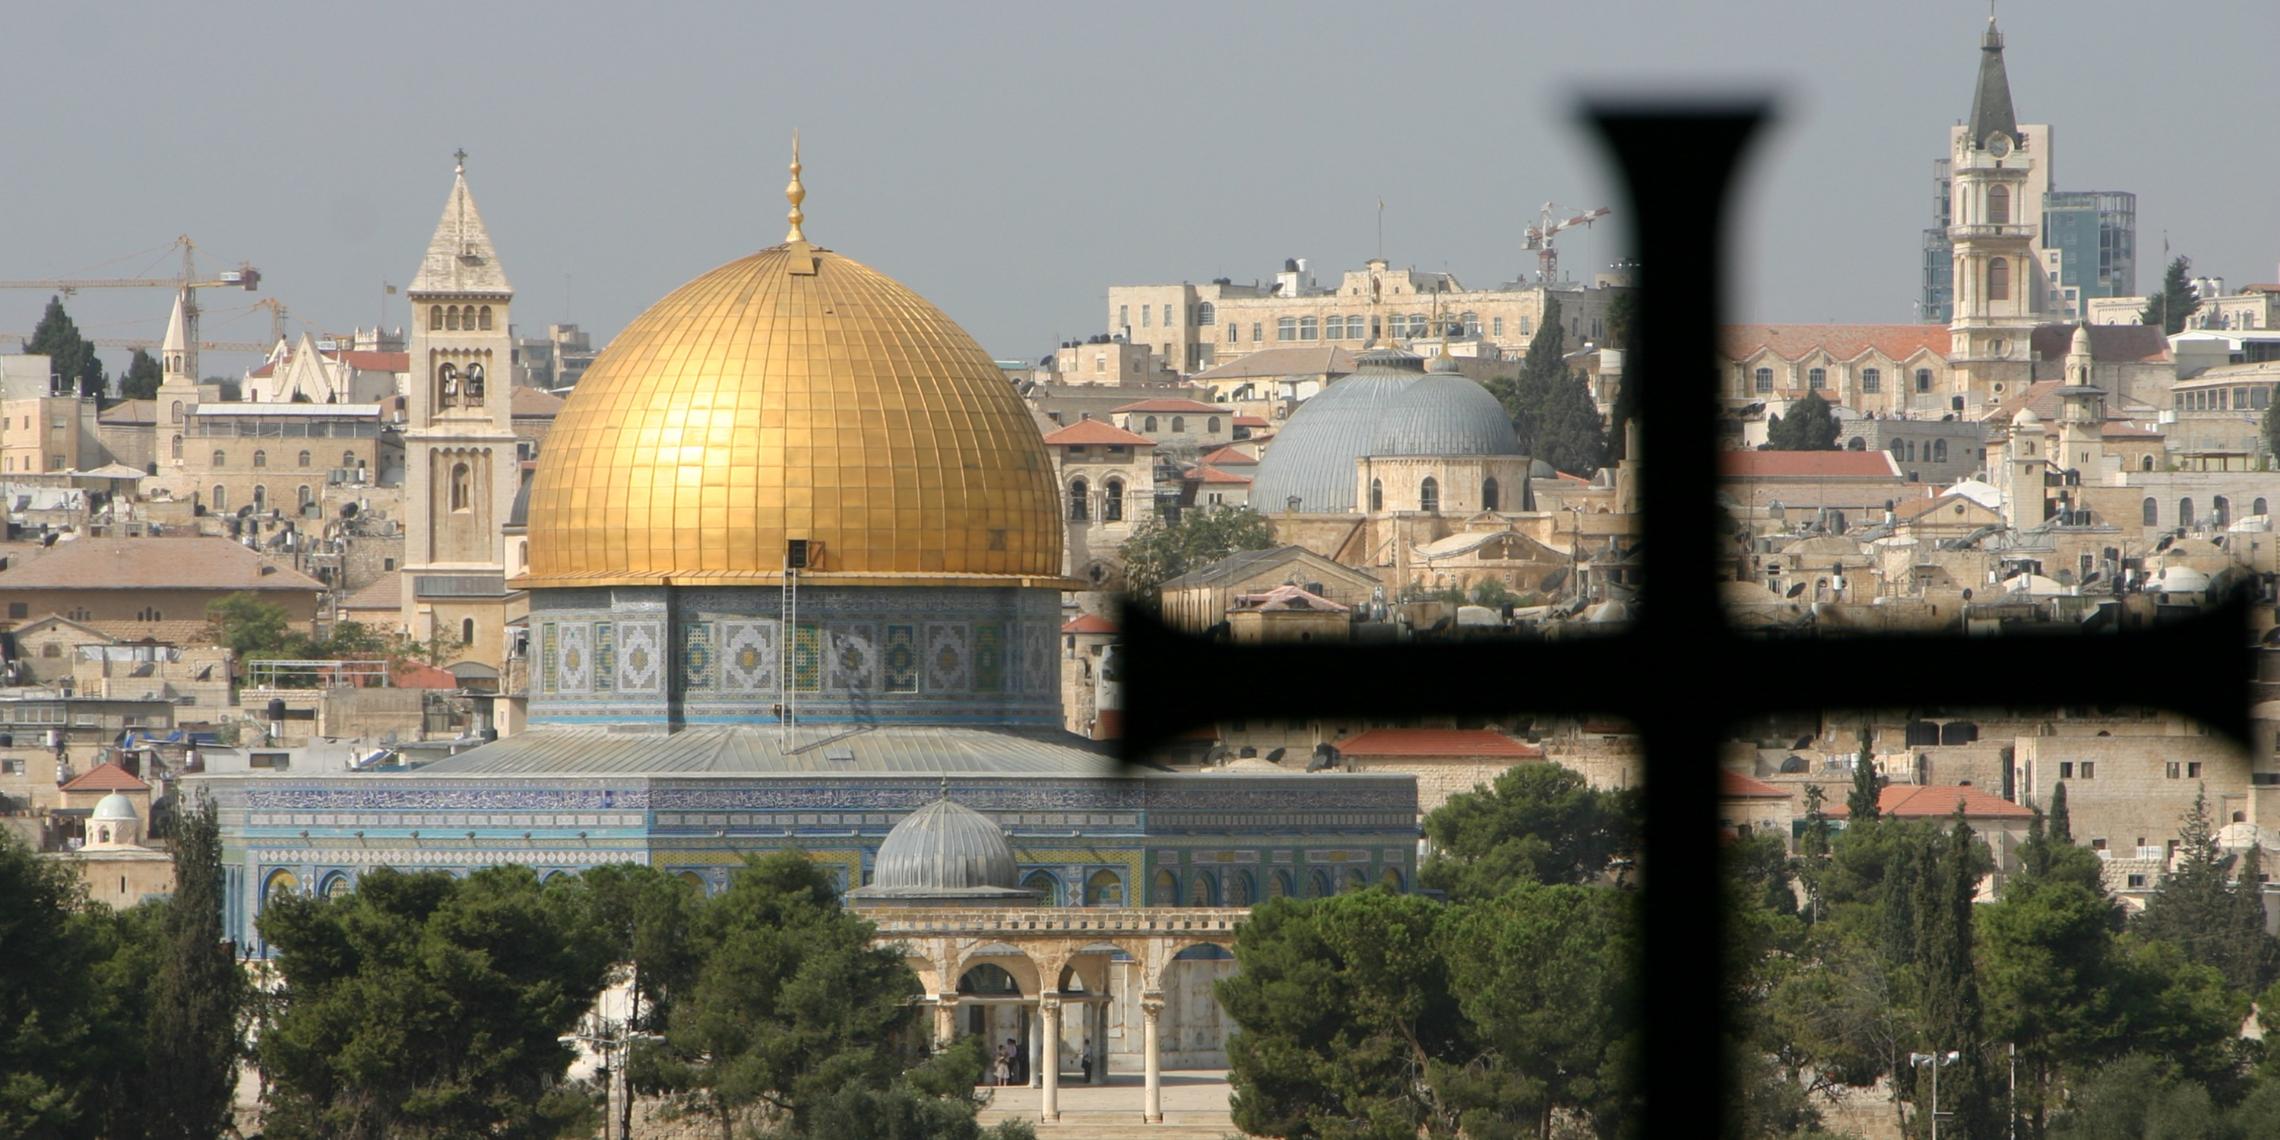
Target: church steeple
[[459, 257], [174, 351], [1991, 100]]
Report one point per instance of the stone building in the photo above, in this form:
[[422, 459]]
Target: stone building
[[112, 861], [149, 581], [1108, 477], [1199, 599], [280, 457]]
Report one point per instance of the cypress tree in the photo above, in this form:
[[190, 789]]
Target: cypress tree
[[2061, 825], [1862, 802], [197, 994]]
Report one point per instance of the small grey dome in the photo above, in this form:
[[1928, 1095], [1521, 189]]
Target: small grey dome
[[1444, 414], [114, 806], [944, 850]]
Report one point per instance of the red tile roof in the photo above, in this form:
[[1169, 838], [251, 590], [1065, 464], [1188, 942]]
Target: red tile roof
[[1169, 404], [2130, 342], [1088, 623], [378, 361], [106, 778], [1251, 421], [1735, 785], [1231, 456], [1205, 473], [1807, 465], [1086, 432], [1844, 342], [1438, 742], [1937, 801]]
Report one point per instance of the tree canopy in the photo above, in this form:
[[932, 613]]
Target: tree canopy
[[1551, 408], [2176, 300], [141, 379], [1159, 551], [1809, 426], [1538, 823], [69, 354]]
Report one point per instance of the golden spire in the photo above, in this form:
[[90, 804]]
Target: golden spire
[[795, 193]]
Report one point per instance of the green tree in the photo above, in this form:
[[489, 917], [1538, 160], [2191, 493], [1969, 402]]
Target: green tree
[[427, 1006], [1544, 975], [48, 1085], [1158, 551], [1813, 850], [790, 1001], [1861, 803], [69, 354], [2061, 821], [198, 994], [2176, 301], [1809, 426], [2196, 908], [1551, 408], [247, 626], [1952, 1017], [141, 379], [1344, 1019], [1538, 823], [2046, 952]]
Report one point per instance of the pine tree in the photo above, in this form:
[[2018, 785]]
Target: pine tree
[[142, 377], [69, 354], [2197, 908], [2175, 302], [197, 994], [1551, 408], [1861, 804]]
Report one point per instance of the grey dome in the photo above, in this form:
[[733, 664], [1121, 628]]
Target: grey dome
[[1313, 455], [944, 850], [114, 806], [1444, 414]]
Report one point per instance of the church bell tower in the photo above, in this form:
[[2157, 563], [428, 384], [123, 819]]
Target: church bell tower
[[1997, 279], [461, 469]]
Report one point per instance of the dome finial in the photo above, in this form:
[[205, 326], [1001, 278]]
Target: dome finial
[[795, 193]]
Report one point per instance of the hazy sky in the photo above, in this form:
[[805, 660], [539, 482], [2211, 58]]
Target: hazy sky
[[1012, 161]]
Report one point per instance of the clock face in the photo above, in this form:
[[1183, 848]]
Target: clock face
[[1999, 144]]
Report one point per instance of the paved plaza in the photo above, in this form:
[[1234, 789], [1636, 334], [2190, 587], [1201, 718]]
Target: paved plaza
[[1195, 1105]]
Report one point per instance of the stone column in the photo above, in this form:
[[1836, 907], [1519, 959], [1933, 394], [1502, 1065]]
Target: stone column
[[1152, 1099], [945, 1020], [1035, 1078], [1049, 1061]]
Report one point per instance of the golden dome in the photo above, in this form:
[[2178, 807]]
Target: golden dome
[[794, 394]]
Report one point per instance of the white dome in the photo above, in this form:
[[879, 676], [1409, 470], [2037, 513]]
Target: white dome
[[2027, 418], [114, 806], [944, 850]]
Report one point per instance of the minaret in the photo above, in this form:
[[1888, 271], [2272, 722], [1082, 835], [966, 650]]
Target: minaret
[[1997, 279], [461, 472], [2023, 491], [2082, 420], [177, 390]]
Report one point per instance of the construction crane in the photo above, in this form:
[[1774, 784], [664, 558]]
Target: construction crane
[[1548, 223], [186, 287]]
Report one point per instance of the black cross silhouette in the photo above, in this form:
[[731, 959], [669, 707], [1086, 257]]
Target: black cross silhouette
[[1680, 672]]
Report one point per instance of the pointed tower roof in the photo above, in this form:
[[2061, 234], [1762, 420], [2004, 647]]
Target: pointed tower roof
[[176, 340], [1991, 100], [459, 257]]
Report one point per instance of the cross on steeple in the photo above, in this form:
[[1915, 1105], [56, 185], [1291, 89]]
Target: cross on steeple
[[459, 158]]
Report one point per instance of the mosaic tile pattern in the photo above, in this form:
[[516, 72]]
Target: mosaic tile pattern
[[902, 659], [949, 657], [697, 656], [548, 651], [989, 658], [641, 659], [577, 658], [853, 658], [605, 656], [806, 668], [749, 664]]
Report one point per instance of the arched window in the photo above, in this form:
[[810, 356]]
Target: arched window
[[1354, 328], [281, 882], [1286, 328], [221, 499], [219, 459], [2257, 507], [1923, 379], [1238, 886], [1307, 329], [1816, 378], [466, 631], [1202, 889], [473, 386], [1278, 884], [2184, 512], [1112, 500], [1318, 885], [1047, 887], [1939, 451], [1377, 494], [304, 458], [483, 318], [1354, 879], [1488, 497], [1998, 280], [260, 498], [1429, 495], [447, 386], [2220, 511], [462, 487], [1998, 205], [1211, 425], [435, 317], [451, 318], [260, 457], [2145, 463], [177, 411], [1390, 879], [1179, 424], [1104, 888], [1080, 498], [307, 496], [178, 447], [1765, 379], [1908, 451], [1206, 314], [1165, 889], [1149, 424]]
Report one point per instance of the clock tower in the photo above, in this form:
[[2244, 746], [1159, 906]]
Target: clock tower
[[1998, 282], [461, 465]]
